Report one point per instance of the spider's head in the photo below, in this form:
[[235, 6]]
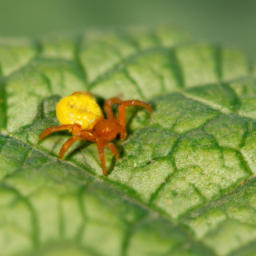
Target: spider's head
[[107, 129]]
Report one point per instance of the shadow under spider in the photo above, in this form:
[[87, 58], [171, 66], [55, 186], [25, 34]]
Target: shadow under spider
[[83, 144]]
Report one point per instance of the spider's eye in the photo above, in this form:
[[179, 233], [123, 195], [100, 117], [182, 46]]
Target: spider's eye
[[79, 109]]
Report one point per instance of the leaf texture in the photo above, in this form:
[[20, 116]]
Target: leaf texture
[[185, 184]]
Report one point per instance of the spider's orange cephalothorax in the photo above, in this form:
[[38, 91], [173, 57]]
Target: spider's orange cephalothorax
[[80, 114]]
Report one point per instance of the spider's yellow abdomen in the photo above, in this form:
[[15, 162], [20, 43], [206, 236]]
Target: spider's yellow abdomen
[[79, 109]]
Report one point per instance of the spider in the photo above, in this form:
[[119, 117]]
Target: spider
[[80, 114]]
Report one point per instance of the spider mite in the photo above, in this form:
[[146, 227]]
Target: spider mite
[[80, 114]]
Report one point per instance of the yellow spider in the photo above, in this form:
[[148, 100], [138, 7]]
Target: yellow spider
[[80, 114]]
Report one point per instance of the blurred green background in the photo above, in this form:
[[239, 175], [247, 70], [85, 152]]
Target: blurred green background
[[231, 23]]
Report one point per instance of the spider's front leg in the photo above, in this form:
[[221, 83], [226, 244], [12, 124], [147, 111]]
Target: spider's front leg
[[101, 150], [121, 112], [108, 107]]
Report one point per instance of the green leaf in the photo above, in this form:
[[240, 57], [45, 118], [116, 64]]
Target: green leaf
[[185, 184]]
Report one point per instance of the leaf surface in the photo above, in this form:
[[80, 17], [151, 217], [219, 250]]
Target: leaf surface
[[185, 184]]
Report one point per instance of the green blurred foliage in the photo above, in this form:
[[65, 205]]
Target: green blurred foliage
[[228, 22]]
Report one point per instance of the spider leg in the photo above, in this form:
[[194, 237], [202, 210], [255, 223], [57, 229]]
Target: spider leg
[[75, 128], [67, 145], [83, 135], [101, 150], [113, 148], [121, 112], [108, 107], [53, 129], [87, 135]]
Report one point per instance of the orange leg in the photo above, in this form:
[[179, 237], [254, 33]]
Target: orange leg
[[113, 148], [67, 145], [87, 135], [84, 135], [53, 129], [75, 128], [108, 107], [101, 150], [121, 112]]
